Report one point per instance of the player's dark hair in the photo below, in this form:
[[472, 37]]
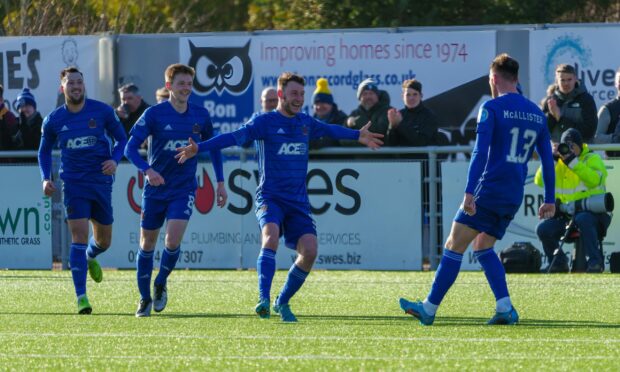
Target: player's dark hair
[[178, 68], [412, 84], [287, 77], [506, 66], [69, 70], [565, 68]]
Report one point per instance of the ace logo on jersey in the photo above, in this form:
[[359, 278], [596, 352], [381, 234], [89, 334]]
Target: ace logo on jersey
[[81, 142], [173, 144], [298, 148]]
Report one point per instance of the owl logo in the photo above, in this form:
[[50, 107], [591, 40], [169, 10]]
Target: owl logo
[[221, 68]]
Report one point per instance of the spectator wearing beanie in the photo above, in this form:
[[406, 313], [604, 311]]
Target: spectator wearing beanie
[[373, 107], [415, 124], [28, 134], [327, 111]]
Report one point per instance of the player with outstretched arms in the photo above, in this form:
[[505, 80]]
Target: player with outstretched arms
[[282, 205]]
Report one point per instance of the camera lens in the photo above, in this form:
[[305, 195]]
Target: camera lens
[[563, 149]]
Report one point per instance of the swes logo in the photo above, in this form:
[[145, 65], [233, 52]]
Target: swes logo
[[173, 144], [293, 149], [323, 185], [81, 142]]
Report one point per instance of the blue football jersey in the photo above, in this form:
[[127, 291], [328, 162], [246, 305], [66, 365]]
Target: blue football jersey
[[168, 130], [509, 128], [282, 152], [85, 140]]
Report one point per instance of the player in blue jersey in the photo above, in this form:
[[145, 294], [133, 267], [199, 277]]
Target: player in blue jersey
[[509, 128], [171, 187], [282, 205], [82, 128]]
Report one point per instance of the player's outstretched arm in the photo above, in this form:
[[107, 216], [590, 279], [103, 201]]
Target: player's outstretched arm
[[370, 139], [216, 143]]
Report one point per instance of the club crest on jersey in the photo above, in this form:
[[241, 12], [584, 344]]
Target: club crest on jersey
[[304, 130], [295, 148], [196, 129], [92, 124]]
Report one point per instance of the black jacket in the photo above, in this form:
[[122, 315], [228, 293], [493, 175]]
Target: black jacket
[[335, 117], [418, 128], [377, 115], [578, 111], [28, 134]]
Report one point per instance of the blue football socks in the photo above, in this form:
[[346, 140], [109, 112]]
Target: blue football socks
[[265, 268], [79, 267], [496, 276], [169, 260], [445, 276], [295, 279], [144, 271], [93, 249]]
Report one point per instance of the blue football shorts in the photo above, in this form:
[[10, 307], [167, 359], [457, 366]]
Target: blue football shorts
[[493, 221], [155, 211], [88, 201], [294, 219]]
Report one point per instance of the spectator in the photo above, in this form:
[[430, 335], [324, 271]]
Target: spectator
[[608, 130], [570, 106], [373, 107], [132, 105], [579, 174], [414, 125], [326, 110], [8, 124], [162, 94], [28, 135], [268, 99]]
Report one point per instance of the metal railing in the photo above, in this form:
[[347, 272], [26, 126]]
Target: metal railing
[[433, 180]]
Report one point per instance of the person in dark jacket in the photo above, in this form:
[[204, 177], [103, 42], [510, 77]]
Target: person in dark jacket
[[570, 106], [326, 110], [8, 124], [608, 130], [414, 125], [28, 134], [374, 104]]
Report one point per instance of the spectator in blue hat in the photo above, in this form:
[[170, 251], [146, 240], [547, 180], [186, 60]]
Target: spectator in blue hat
[[28, 134]]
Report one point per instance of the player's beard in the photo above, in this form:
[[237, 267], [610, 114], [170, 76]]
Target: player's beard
[[287, 107], [75, 101]]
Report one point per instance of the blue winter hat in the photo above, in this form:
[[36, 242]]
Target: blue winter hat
[[26, 98]]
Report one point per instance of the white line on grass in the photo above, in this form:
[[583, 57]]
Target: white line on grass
[[501, 357], [305, 338]]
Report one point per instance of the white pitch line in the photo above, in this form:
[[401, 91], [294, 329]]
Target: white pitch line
[[307, 338], [502, 357]]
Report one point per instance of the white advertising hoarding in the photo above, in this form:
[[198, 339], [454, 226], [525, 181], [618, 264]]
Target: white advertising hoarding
[[231, 71], [368, 216], [590, 50], [36, 62], [523, 227], [25, 220]]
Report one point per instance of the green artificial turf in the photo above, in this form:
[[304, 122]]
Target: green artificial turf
[[347, 321]]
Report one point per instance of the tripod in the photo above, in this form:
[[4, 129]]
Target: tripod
[[570, 227]]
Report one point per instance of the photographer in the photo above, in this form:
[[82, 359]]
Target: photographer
[[579, 174]]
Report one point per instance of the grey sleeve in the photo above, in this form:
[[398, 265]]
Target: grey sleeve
[[604, 118]]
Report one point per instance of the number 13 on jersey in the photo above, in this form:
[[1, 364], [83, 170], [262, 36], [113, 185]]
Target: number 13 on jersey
[[520, 154]]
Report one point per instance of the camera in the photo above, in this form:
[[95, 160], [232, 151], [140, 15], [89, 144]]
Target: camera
[[600, 203], [564, 149]]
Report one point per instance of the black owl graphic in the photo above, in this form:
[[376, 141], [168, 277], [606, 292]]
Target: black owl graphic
[[219, 68]]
